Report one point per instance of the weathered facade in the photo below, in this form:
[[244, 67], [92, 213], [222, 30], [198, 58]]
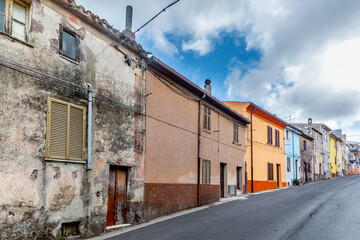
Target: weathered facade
[[306, 152], [53, 181], [196, 145], [265, 152]]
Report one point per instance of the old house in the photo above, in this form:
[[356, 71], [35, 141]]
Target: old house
[[71, 125], [265, 154], [306, 163], [335, 154], [195, 144], [318, 153], [292, 153]]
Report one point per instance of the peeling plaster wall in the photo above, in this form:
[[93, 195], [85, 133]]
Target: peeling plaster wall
[[37, 196]]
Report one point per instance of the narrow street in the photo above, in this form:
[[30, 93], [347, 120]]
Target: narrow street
[[325, 210]]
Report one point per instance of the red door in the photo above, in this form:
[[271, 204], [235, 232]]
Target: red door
[[116, 197]]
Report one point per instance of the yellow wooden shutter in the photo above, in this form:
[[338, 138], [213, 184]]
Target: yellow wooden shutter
[[76, 133], [57, 130]]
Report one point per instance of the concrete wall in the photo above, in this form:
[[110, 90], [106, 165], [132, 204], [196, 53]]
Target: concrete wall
[[263, 153], [38, 196], [171, 168]]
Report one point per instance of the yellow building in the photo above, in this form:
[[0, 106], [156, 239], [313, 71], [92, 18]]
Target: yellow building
[[265, 148], [333, 155]]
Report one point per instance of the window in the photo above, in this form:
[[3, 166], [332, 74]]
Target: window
[[277, 138], [14, 18], [69, 44], [269, 134], [66, 125], [206, 172], [207, 118], [288, 164], [270, 171], [287, 135], [304, 145], [236, 133]]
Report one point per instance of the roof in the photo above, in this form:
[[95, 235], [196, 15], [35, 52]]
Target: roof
[[314, 125], [336, 137], [101, 25], [163, 68], [293, 128], [262, 112]]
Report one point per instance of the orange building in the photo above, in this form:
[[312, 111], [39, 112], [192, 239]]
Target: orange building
[[265, 149], [195, 144]]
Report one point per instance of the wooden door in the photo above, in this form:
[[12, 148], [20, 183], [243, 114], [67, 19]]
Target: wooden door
[[116, 197], [278, 176], [222, 180]]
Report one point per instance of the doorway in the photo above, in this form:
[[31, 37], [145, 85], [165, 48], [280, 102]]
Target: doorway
[[116, 213], [223, 184], [305, 171], [278, 176], [239, 183]]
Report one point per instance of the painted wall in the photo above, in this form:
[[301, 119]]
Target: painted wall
[[172, 149], [333, 156], [306, 159], [292, 150], [263, 153], [37, 195]]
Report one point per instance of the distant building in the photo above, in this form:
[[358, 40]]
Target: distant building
[[265, 152], [306, 152]]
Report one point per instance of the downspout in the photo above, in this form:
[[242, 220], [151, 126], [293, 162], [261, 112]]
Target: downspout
[[90, 97], [293, 150], [199, 151], [252, 151]]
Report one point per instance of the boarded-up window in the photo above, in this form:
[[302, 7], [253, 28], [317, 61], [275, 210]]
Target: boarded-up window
[[270, 171], [277, 138], [269, 135], [288, 164], [206, 172], [69, 44], [207, 118], [66, 125], [236, 133]]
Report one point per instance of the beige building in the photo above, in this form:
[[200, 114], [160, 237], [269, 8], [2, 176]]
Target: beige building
[[71, 127], [195, 144]]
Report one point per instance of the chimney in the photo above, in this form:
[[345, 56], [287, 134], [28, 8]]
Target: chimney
[[128, 23], [309, 121], [207, 86]]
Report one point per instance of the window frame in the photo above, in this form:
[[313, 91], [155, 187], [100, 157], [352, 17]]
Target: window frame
[[236, 133], [269, 135], [206, 171], [48, 130], [207, 119], [288, 164], [77, 43], [9, 10], [304, 145]]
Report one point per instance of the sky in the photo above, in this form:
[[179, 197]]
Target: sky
[[296, 59]]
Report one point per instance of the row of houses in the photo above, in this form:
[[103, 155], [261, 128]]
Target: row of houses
[[95, 133]]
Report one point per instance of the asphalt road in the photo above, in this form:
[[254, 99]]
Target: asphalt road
[[324, 210]]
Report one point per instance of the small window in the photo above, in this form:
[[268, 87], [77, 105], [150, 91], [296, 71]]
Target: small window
[[277, 138], [69, 44], [304, 145], [287, 135], [270, 171], [206, 173], [207, 118], [288, 164], [269, 135], [14, 18], [66, 125], [236, 133]]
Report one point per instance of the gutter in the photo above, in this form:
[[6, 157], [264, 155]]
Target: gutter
[[90, 97], [199, 153]]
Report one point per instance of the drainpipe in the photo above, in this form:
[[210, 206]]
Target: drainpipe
[[252, 151], [90, 89], [293, 150], [199, 151]]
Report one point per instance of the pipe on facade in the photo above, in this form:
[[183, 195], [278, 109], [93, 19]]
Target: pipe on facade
[[90, 97], [252, 151], [199, 151]]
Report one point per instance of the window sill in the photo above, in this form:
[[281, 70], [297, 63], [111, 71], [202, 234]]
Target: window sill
[[207, 131], [13, 39], [64, 161], [236, 143], [68, 59]]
